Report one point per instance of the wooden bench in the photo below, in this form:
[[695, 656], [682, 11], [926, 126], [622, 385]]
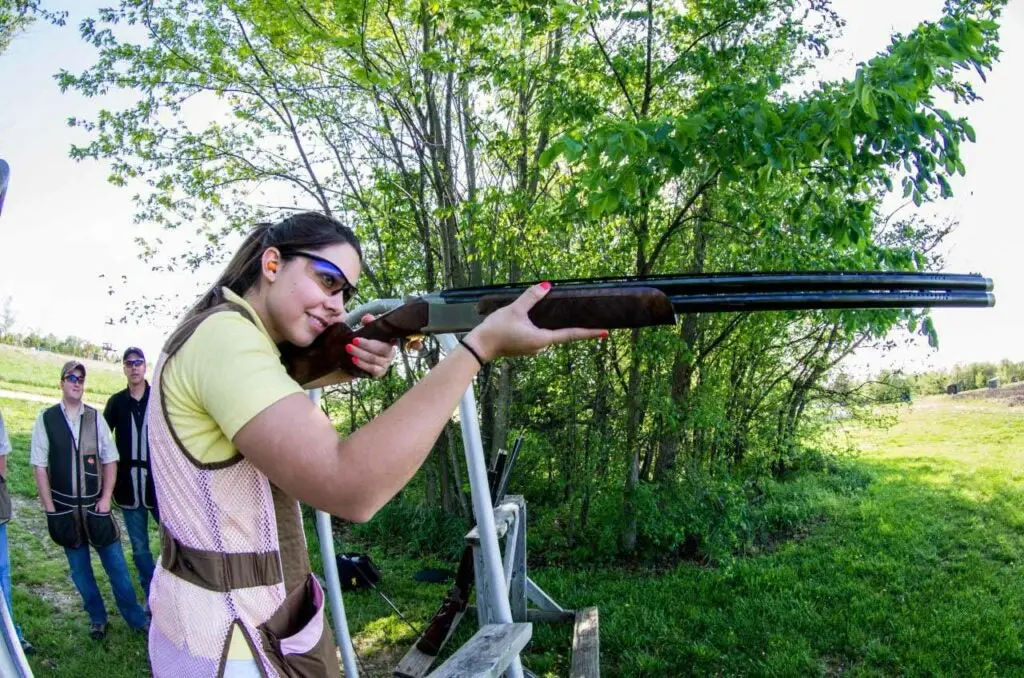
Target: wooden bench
[[586, 652], [488, 653]]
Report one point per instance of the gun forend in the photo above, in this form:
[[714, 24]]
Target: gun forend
[[605, 308]]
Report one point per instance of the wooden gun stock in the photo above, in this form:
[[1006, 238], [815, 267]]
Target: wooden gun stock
[[327, 354], [603, 308]]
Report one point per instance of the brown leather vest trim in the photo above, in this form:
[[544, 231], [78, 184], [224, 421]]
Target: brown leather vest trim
[[322, 660], [211, 466], [216, 571], [295, 612], [173, 345], [290, 540]]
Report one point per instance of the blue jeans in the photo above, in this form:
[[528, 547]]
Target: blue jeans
[[5, 575], [136, 522], [116, 567]]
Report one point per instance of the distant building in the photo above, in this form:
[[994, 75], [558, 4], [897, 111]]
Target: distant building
[[993, 382], [952, 389]]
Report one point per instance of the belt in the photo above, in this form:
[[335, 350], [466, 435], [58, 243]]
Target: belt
[[218, 571]]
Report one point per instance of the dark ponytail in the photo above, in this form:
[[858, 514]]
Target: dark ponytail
[[305, 230]]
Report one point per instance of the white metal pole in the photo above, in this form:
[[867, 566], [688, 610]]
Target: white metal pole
[[483, 510], [12, 659]]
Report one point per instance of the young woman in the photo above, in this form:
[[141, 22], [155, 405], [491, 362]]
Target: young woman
[[235, 442]]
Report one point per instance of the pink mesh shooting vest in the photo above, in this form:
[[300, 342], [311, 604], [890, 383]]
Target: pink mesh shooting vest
[[233, 554]]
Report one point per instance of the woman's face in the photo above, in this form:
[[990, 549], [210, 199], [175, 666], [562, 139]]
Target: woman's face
[[303, 298]]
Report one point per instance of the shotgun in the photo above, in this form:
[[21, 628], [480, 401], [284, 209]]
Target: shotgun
[[630, 302]]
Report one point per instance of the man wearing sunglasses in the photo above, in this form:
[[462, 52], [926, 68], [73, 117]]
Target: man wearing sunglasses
[[125, 413], [75, 467]]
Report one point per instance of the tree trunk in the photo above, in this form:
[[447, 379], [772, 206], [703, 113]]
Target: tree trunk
[[683, 361], [500, 406], [455, 499], [634, 417]]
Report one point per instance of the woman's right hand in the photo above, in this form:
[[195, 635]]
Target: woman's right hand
[[510, 332]]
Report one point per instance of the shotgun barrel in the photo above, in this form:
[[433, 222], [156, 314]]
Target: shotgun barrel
[[720, 283]]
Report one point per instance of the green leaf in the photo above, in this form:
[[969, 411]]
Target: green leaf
[[549, 154], [843, 142], [946, 191], [573, 149], [928, 329], [610, 203], [867, 103]]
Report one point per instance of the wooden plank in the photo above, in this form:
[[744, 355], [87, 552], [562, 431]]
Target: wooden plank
[[415, 664], [484, 613], [488, 653], [539, 598], [586, 654], [511, 544], [517, 582], [549, 616], [535, 616], [503, 517]]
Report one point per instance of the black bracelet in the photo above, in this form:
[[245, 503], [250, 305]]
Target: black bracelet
[[475, 354]]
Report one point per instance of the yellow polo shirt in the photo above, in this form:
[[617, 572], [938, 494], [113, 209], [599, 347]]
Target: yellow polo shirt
[[227, 372]]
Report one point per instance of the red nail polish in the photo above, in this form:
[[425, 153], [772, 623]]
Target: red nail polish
[[545, 286], [355, 360], [604, 334], [348, 347], [355, 342]]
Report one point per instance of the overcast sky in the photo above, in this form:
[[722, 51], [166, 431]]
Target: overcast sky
[[66, 235]]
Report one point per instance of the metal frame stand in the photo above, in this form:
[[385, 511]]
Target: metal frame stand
[[494, 576]]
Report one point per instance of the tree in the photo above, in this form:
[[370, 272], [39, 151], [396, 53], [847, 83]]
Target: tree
[[476, 142], [7, 317], [17, 15]]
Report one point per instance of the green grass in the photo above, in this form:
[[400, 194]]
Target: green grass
[[917, 572], [19, 417], [39, 373], [46, 604]]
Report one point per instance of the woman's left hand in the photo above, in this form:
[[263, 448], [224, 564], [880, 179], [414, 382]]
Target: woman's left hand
[[371, 356]]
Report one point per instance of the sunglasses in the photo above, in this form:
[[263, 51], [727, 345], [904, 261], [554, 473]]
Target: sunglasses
[[75, 379], [135, 362], [331, 278]]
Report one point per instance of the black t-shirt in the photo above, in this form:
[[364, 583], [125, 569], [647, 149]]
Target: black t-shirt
[[126, 417]]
